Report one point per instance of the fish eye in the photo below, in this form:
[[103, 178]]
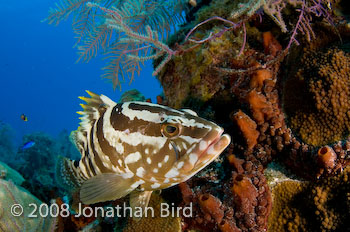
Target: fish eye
[[170, 130]]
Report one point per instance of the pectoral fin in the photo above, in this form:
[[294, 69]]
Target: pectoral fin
[[140, 199], [106, 187]]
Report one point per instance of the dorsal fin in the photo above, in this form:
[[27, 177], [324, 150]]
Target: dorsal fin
[[94, 107]]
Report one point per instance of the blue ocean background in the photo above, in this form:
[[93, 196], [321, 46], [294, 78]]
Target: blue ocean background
[[39, 74]]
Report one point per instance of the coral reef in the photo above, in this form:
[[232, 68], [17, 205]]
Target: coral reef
[[10, 194], [37, 166], [323, 84], [37, 163], [159, 222], [237, 199], [311, 206], [310, 97], [250, 89], [7, 173], [280, 103], [7, 149]]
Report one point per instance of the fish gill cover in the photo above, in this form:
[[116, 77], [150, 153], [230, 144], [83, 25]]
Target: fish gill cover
[[271, 73]]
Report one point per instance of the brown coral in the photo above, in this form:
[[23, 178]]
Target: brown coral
[[74, 222], [285, 215], [250, 84], [323, 87], [307, 206], [251, 195], [157, 223], [273, 134], [228, 226]]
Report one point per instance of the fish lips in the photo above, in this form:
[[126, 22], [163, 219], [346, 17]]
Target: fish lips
[[208, 150], [215, 148]]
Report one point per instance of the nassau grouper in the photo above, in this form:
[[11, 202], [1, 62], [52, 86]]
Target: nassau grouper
[[136, 148]]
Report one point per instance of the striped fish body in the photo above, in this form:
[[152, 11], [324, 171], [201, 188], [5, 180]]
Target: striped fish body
[[135, 148]]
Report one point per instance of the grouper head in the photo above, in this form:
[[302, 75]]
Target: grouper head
[[163, 144]]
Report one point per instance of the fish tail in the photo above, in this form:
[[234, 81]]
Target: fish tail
[[68, 173]]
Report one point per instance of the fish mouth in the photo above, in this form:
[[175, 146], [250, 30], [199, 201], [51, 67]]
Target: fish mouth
[[217, 142], [212, 145]]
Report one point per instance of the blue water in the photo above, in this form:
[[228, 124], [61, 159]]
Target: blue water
[[39, 76]]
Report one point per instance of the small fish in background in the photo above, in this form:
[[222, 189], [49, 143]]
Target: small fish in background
[[136, 148], [24, 117], [27, 145]]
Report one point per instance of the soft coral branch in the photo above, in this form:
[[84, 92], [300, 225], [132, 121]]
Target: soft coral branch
[[148, 40], [128, 32], [303, 24]]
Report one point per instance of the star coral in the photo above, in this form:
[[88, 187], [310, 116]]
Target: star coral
[[308, 206], [323, 83], [159, 222], [285, 215]]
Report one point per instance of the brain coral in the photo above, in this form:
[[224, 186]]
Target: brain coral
[[8, 173], [318, 97], [10, 194]]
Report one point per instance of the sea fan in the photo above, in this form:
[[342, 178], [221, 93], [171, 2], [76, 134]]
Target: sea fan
[[127, 40]]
